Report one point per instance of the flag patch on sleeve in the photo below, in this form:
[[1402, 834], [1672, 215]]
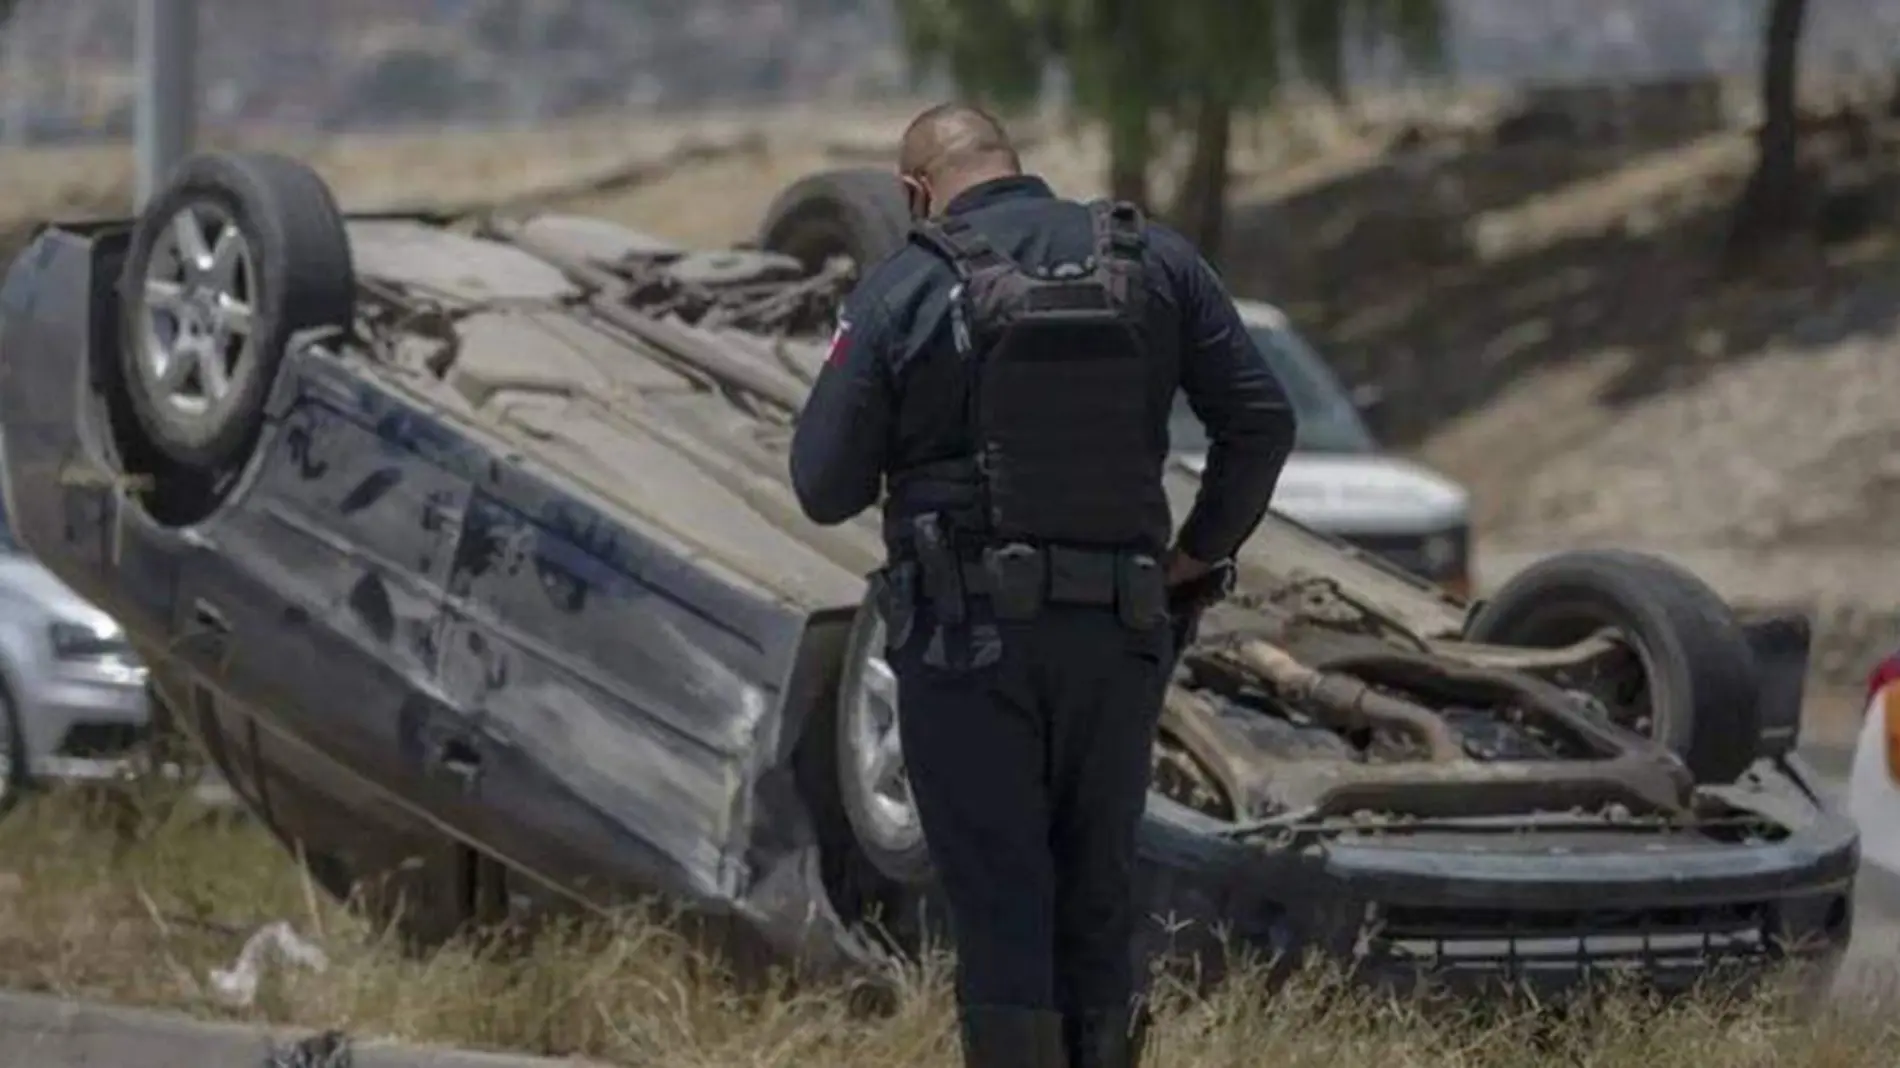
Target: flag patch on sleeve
[[840, 342]]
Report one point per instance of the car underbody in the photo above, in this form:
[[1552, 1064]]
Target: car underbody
[[504, 594]]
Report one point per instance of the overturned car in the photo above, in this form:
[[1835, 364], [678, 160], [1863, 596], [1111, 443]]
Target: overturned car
[[465, 550]]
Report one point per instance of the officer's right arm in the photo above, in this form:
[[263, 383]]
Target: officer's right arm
[[1233, 391], [838, 445]]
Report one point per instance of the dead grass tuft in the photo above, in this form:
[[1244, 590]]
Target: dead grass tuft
[[137, 898]]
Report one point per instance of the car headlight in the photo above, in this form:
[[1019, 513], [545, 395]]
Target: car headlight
[[81, 641]]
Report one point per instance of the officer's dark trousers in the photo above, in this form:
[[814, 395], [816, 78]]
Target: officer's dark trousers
[[1030, 777]]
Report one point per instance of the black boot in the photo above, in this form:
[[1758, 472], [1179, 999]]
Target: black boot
[[996, 1036], [1106, 1038]]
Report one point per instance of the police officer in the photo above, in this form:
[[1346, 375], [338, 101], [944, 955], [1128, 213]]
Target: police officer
[[1006, 378]]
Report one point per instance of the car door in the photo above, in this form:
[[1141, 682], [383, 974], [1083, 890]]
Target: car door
[[608, 694], [314, 597]]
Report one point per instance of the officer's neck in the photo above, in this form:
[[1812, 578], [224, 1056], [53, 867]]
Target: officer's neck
[[952, 187]]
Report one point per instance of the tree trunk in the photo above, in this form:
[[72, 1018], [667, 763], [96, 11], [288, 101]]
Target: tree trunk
[[1129, 100], [1770, 205], [1200, 206], [1130, 147]]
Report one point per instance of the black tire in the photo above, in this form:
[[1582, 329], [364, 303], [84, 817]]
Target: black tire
[[864, 897], [1700, 672], [857, 212], [908, 862], [300, 278]]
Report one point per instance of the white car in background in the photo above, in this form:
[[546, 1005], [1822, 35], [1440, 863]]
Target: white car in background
[[74, 704], [1873, 779], [1339, 481]]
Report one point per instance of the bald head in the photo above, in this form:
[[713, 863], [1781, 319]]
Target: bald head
[[955, 146]]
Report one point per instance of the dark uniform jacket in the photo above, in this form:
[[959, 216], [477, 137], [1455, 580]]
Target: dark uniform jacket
[[893, 392]]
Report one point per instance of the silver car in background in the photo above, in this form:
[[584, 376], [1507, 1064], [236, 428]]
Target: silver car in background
[[1339, 481], [73, 696]]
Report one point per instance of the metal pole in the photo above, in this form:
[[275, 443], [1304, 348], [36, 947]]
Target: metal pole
[[168, 95], [19, 82]]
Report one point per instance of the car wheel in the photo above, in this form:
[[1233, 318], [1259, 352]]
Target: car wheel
[[872, 782], [1696, 688], [237, 253], [15, 769], [857, 213]]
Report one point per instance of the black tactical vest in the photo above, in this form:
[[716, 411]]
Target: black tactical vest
[[1060, 389]]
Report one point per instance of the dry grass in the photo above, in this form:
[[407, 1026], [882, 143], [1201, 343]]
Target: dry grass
[[138, 903]]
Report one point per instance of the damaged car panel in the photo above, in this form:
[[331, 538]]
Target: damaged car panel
[[499, 590]]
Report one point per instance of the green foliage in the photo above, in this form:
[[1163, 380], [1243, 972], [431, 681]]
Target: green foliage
[[1148, 56], [1418, 26], [997, 49], [1135, 65]]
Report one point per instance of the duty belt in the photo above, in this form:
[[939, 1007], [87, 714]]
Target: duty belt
[[1020, 578]]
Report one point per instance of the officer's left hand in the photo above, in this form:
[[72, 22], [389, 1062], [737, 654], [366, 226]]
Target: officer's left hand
[[1184, 568]]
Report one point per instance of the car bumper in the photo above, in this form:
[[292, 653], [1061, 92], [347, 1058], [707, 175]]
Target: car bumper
[[1550, 922], [1475, 919], [83, 727]]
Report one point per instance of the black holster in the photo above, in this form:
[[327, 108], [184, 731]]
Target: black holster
[[894, 592], [1141, 591], [939, 568]]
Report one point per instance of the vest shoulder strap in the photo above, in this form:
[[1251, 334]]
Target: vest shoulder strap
[[958, 243], [1121, 239], [1120, 231]]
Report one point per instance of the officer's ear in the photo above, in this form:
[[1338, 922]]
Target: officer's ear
[[916, 194]]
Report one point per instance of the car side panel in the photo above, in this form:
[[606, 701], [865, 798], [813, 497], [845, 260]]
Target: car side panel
[[628, 698], [605, 729], [315, 592], [310, 601]]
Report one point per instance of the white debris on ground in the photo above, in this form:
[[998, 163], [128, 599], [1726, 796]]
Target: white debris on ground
[[237, 985]]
